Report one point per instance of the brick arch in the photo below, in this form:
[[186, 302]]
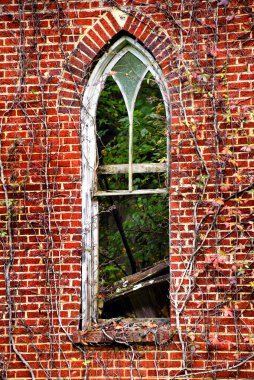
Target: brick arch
[[106, 29]]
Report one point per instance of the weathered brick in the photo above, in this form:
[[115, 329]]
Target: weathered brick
[[210, 80]]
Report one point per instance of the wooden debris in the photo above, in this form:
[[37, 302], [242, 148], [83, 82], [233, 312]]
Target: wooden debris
[[141, 295]]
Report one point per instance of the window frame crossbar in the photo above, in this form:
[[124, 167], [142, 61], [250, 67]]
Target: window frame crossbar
[[136, 168], [130, 192]]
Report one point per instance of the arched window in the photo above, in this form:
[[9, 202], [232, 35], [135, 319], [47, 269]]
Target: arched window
[[125, 145]]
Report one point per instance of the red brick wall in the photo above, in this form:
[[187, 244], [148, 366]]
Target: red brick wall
[[205, 49]]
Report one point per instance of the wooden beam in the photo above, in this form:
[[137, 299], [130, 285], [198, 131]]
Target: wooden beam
[[123, 291], [145, 274]]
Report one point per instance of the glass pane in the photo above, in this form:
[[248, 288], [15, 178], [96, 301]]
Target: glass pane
[[150, 126], [112, 182], [112, 126], [149, 181], [140, 220], [128, 73]]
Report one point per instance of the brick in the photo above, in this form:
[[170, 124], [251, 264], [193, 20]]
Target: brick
[[216, 322]]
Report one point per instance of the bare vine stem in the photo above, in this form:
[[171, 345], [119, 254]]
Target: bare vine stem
[[184, 286]]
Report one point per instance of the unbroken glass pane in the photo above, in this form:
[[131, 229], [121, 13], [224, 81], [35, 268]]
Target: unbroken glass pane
[[128, 72]]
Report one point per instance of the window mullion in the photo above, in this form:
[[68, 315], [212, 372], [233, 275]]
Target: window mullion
[[130, 152]]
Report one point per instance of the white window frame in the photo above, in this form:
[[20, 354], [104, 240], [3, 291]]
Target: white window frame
[[90, 162]]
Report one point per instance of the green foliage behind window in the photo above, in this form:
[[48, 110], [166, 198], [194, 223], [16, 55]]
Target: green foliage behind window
[[144, 218]]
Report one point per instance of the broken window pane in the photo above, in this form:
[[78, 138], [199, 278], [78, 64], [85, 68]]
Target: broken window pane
[[141, 222], [150, 126], [144, 221], [144, 295], [133, 229], [149, 181], [112, 182], [112, 126]]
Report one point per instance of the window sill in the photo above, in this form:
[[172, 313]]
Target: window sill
[[125, 332]]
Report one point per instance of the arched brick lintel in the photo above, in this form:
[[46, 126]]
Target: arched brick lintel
[[100, 34]]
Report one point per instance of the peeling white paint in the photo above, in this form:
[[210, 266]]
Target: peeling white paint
[[138, 286]]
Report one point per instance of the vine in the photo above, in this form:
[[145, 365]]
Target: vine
[[211, 226]]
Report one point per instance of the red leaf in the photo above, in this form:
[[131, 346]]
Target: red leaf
[[224, 188], [214, 52], [214, 339], [246, 148], [218, 202], [223, 3], [227, 312], [230, 18], [226, 151]]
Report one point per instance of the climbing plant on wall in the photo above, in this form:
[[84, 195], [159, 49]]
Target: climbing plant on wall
[[205, 50]]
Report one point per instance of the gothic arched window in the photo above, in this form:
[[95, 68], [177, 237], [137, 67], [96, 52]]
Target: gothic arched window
[[125, 145]]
